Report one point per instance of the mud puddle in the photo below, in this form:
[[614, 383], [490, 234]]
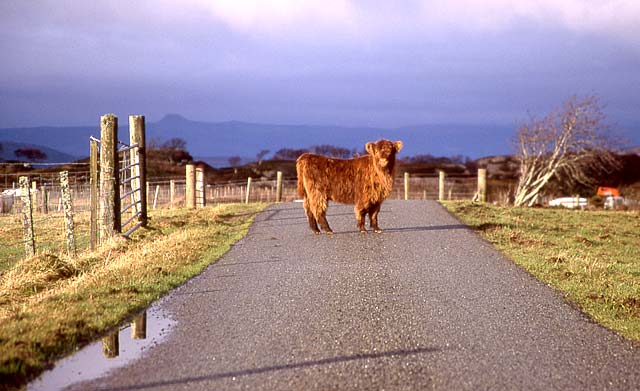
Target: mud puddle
[[113, 351]]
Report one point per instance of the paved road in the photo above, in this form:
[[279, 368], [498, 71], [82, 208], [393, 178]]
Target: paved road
[[426, 305]]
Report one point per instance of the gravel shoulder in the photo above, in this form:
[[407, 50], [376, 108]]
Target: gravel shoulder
[[427, 304]]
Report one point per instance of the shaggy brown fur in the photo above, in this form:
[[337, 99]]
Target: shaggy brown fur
[[364, 181]]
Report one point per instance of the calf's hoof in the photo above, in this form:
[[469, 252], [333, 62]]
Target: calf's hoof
[[377, 230]]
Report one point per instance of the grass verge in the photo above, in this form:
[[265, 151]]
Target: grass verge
[[51, 304], [593, 257]]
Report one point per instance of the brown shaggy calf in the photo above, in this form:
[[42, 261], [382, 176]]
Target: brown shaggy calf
[[364, 181]]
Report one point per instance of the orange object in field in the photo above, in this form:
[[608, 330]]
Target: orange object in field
[[608, 191]]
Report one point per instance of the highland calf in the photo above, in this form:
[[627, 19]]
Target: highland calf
[[364, 181]]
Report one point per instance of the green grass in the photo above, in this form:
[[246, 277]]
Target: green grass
[[593, 257], [51, 304], [49, 233]]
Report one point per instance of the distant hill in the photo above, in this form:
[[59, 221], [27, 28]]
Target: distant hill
[[247, 139], [8, 152], [224, 139], [217, 141]]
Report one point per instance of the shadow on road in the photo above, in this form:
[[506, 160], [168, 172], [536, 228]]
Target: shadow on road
[[257, 371], [203, 292], [301, 217], [216, 265], [409, 229], [426, 228]]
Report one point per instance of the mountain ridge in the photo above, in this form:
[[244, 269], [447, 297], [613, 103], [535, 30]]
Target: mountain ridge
[[229, 138], [8, 153]]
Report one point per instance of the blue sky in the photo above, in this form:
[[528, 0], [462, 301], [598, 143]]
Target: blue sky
[[343, 62]]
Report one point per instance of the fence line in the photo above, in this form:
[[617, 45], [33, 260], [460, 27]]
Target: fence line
[[130, 189], [123, 169], [172, 193], [420, 187]]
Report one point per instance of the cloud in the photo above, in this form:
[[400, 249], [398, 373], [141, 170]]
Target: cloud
[[366, 19], [283, 60], [358, 21], [617, 17], [279, 15]]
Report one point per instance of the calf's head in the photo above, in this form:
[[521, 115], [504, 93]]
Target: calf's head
[[383, 153]]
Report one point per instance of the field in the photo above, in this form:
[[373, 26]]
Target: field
[[592, 257], [51, 304], [48, 231]]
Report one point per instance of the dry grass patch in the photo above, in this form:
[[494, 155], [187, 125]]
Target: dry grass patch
[[50, 304], [593, 257]]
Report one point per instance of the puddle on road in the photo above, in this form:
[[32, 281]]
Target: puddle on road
[[113, 351]]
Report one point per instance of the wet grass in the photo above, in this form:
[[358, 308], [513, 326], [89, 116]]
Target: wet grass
[[51, 305], [593, 257]]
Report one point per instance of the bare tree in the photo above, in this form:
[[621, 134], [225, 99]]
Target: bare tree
[[175, 143], [332, 151], [567, 145], [288, 154], [260, 155]]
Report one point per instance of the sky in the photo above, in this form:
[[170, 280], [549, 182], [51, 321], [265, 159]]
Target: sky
[[322, 62]]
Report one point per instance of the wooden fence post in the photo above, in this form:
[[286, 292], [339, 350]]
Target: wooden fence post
[[110, 222], [45, 199], [93, 193], [441, 186], [111, 345], [27, 217], [248, 190], [279, 186], [155, 196], [67, 203], [190, 199], [482, 184], [139, 161], [201, 187], [139, 326], [406, 185], [172, 192], [34, 196]]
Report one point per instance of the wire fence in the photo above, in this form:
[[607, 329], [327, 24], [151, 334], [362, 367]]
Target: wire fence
[[48, 215], [172, 193], [48, 230], [47, 198]]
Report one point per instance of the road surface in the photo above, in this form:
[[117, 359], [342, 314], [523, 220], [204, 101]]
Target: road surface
[[425, 305]]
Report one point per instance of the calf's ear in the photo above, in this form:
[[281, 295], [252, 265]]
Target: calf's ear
[[398, 146], [369, 147]]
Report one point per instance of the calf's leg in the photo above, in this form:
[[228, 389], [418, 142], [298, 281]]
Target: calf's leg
[[373, 218], [322, 219], [361, 213], [313, 224], [318, 207]]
